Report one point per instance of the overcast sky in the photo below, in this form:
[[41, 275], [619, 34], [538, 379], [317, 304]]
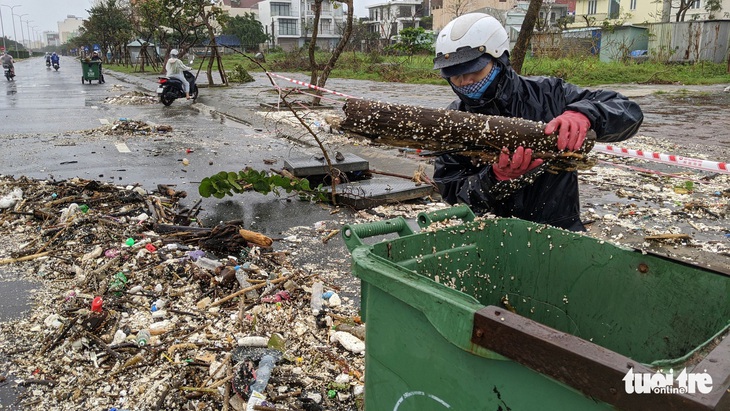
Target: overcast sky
[[43, 14]]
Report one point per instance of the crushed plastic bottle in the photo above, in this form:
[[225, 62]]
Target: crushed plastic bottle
[[316, 302], [143, 337], [207, 263], [263, 373], [242, 278]]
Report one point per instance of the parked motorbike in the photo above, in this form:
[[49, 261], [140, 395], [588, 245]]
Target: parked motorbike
[[171, 88], [9, 73]]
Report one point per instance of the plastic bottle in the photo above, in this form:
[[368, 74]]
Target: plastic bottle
[[207, 263], [242, 278], [263, 373], [316, 302], [143, 337]]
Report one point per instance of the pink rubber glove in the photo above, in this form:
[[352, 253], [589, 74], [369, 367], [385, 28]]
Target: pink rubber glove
[[507, 168], [572, 127]]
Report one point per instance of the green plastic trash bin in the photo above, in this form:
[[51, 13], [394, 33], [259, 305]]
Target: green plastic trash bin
[[510, 315], [91, 70]]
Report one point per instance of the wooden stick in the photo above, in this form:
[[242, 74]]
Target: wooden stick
[[668, 237], [25, 258], [256, 238], [247, 289], [330, 235]]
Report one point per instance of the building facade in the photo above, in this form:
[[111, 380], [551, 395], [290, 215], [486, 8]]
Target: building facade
[[389, 18], [594, 12], [69, 28], [289, 23]]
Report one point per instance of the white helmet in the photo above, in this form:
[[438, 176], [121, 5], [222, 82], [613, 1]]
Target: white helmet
[[173, 52], [468, 37]]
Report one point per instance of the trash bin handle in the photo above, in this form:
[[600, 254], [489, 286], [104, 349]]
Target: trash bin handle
[[353, 234], [461, 211]]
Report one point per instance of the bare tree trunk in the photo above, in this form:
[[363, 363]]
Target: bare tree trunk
[[313, 44], [140, 57], [214, 54], [337, 51], [518, 52]]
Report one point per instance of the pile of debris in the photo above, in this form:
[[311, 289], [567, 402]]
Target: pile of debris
[[124, 126], [140, 309], [128, 127], [132, 98]]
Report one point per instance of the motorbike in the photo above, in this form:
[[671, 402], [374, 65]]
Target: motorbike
[[56, 66], [171, 88], [48, 63], [9, 74]]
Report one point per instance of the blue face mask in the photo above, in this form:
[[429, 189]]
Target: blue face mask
[[476, 90]]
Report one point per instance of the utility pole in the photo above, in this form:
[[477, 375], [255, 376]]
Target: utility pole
[[2, 26], [12, 17], [22, 36], [30, 37]]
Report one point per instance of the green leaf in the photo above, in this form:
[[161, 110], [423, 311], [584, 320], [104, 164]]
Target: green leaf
[[206, 188], [232, 177]]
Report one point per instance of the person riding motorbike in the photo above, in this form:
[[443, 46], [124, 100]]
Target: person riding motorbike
[[95, 57], [8, 62], [55, 60], [174, 69], [48, 59]]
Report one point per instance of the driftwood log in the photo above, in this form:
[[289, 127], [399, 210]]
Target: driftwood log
[[443, 130]]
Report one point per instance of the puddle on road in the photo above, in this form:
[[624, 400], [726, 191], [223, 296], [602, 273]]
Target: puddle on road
[[15, 302], [15, 298]]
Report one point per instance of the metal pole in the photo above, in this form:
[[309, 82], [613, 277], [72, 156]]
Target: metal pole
[[22, 36], [30, 37], [2, 26], [35, 42], [12, 14]]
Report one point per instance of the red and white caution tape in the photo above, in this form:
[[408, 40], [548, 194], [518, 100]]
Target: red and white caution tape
[[312, 86], [672, 159]]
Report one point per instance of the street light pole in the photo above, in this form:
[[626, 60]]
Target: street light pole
[[2, 26], [12, 13], [22, 36], [34, 40], [30, 38]]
